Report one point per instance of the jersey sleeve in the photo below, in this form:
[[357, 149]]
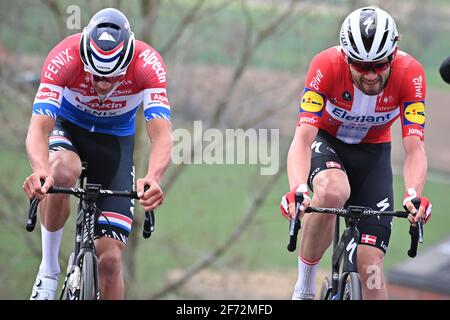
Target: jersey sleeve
[[151, 75], [413, 101], [313, 98], [59, 65]]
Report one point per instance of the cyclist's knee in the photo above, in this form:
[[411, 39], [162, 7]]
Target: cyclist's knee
[[110, 257], [65, 167], [331, 188], [370, 266]]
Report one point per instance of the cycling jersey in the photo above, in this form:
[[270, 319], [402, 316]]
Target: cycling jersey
[[66, 90], [332, 102]]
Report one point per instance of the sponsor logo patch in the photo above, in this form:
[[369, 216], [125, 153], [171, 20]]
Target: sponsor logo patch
[[312, 102], [106, 105], [47, 93], [160, 97], [415, 113]]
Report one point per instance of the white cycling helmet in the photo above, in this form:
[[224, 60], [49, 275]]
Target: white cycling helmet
[[368, 34], [107, 44]]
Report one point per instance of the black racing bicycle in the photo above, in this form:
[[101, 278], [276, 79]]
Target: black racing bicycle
[[82, 281], [344, 283]]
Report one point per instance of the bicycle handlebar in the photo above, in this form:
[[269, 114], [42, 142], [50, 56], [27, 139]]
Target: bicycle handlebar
[[149, 223], [355, 212], [295, 224]]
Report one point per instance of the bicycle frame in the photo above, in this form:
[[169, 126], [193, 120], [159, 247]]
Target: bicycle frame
[[84, 236], [84, 239], [344, 246], [344, 250]]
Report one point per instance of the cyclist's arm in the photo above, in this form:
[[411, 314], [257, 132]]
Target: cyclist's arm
[[415, 163], [413, 119], [160, 133], [299, 156], [37, 142], [37, 151]]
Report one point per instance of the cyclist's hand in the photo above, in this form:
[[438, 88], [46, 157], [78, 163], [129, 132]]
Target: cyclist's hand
[[287, 205], [424, 212], [33, 186], [151, 198]]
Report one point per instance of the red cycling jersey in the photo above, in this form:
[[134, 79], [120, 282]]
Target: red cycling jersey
[[332, 102], [66, 90]]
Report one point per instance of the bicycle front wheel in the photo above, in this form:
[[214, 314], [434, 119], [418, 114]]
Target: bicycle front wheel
[[325, 290], [352, 287], [88, 285]]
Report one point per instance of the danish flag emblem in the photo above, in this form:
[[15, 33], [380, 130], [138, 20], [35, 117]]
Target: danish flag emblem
[[332, 164], [369, 239]]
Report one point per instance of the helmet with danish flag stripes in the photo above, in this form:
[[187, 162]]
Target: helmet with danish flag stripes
[[369, 34], [107, 44]]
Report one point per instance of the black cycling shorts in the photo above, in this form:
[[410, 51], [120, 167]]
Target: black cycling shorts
[[369, 171], [110, 163]]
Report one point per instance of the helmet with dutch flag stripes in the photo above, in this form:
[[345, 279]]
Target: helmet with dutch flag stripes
[[107, 44]]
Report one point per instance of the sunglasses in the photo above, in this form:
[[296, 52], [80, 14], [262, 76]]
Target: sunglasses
[[364, 67], [108, 79]]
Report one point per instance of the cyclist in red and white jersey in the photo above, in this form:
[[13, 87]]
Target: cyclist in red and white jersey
[[341, 149], [92, 85]]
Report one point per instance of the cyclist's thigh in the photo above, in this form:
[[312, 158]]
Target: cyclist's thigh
[[63, 153], [325, 156], [372, 186]]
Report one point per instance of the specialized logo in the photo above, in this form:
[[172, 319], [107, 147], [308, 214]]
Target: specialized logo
[[368, 23], [316, 146], [351, 248], [415, 113], [383, 204], [312, 102]]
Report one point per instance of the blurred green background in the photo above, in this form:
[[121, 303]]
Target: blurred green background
[[231, 64]]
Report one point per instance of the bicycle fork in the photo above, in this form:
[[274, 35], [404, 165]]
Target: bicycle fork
[[344, 249]]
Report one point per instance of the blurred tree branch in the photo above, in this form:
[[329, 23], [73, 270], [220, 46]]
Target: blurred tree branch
[[150, 13], [58, 14], [233, 237], [249, 48]]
